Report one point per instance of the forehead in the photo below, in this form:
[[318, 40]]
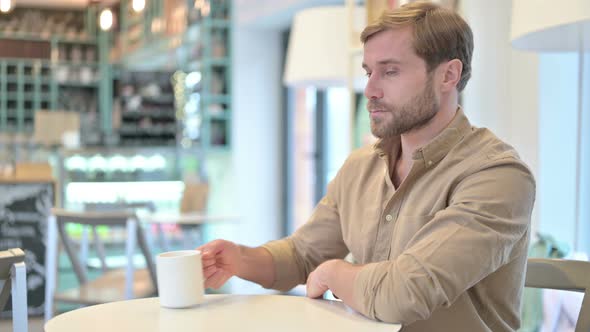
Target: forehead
[[390, 44]]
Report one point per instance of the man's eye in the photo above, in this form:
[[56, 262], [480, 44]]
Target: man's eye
[[391, 72], [368, 74]]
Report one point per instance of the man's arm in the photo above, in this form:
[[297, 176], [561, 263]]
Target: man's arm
[[488, 217], [224, 259], [318, 240], [257, 266], [284, 263]]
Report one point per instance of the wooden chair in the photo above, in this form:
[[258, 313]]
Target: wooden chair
[[13, 273], [566, 275], [111, 285], [114, 207]]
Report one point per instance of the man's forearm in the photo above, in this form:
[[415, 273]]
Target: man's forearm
[[256, 265]]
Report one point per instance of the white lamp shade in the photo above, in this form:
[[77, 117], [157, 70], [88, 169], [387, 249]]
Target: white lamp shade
[[319, 48], [550, 26]]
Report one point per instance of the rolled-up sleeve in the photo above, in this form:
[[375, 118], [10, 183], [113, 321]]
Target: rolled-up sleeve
[[485, 226], [318, 240]]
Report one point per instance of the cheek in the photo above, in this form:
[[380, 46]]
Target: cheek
[[396, 95], [400, 92]]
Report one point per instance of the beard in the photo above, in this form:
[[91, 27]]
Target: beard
[[413, 115]]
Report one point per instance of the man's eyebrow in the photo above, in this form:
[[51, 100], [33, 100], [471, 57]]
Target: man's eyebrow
[[389, 62], [384, 62]]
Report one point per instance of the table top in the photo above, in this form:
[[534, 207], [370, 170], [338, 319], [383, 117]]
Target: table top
[[219, 313]]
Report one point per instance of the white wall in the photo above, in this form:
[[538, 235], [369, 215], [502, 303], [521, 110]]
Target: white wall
[[558, 127], [502, 94], [524, 117], [486, 97], [256, 90], [256, 132], [255, 166]]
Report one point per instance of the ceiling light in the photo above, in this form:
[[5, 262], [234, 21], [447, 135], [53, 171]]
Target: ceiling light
[[192, 79], [206, 8], [106, 19], [138, 5], [5, 6]]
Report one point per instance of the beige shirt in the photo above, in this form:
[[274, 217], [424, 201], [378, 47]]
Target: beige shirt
[[446, 251]]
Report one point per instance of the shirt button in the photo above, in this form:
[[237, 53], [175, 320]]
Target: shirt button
[[429, 162], [388, 217]]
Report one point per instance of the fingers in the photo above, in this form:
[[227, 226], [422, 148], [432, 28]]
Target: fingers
[[209, 280], [212, 248], [314, 292], [212, 256], [220, 282], [314, 288], [216, 280], [208, 262], [209, 271]]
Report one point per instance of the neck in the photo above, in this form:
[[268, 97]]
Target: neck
[[415, 139]]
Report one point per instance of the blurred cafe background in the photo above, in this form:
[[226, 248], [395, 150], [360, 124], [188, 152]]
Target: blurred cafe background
[[210, 119]]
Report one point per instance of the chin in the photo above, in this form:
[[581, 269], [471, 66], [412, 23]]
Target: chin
[[377, 133]]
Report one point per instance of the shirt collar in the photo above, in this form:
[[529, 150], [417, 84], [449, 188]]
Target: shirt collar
[[435, 150]]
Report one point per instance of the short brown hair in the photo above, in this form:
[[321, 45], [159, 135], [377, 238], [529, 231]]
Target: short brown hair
[[439, 34]]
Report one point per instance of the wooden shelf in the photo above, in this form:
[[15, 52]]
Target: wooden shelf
[[33, 37], [43, 96], [30, 83], [77, 84], [76, 63], [154, 130], [28, 80], [155, 114], [163, 99]]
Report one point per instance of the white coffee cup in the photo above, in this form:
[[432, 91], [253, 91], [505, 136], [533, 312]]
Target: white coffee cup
[[180, 278]]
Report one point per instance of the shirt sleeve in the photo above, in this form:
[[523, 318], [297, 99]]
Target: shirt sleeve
[[485, 226], [317, 241]]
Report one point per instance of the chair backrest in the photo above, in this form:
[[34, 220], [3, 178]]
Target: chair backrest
[[566, 275], [109, 207], [120, 206], [106, 218], [194, 197], [103, 288], [13, 275]]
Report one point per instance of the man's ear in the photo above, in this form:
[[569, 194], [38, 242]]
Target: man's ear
[[451, 75]]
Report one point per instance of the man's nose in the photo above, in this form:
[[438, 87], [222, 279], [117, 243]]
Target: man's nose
[[373, 90]]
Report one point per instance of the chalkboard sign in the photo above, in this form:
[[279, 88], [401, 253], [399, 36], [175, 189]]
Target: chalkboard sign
[[24, 208]]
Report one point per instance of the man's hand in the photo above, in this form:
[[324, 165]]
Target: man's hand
[[337, 276], [221, 261], [317, 281]]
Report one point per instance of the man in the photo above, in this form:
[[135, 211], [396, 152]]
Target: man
[[436, 214]]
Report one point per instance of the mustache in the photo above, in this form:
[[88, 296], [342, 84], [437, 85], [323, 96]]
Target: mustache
[[376, 105]]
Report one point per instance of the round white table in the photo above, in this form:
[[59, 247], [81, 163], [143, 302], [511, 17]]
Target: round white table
[[219, 313]]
